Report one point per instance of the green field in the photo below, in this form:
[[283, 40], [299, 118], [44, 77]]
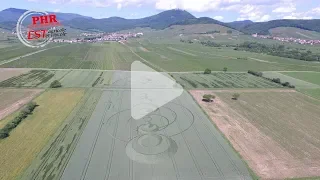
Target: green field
[[68, 79], [294, 32], [222, 80], [32, 135], [78, 56], [311, 77], [285, 78], [14, 51], [162, 54], [50, 163], [315, 93], [195, 57], [33, 78]]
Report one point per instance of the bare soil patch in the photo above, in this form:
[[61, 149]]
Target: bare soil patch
[[6, 73], [274, 131], [13, 99]]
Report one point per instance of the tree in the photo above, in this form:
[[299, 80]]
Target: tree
[[276, 80], [235, 96], [31, 106], [3, 135], [55, 84], [287, 84], [207, 71], [208, 97], [225, 69]]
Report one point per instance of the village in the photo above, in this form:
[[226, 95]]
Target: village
[[288, 39], [100, 37]]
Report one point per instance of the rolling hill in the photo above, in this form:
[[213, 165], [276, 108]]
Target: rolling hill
[[9, 17], [264, 27], [294, 32], [159, 21], [13, 14]]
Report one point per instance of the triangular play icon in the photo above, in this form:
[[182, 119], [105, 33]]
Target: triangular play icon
[[150, 89]]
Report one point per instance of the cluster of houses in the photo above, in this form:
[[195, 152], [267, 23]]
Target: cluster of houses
[[100, 37], [288, 39]]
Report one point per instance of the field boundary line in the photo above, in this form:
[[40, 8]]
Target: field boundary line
[[154, 66], [173, 72], [26, 55], [308, 95], [306, 82], [80, 134], [181, 51]]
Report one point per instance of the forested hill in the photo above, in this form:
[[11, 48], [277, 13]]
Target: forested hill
[[9, 17], [264, 27], [159, 21], [202, 20], [240, 24]]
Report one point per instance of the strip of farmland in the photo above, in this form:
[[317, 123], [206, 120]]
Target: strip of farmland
[[31, 136], [52, 160], [78, 56], [196, 149], [277, 133], [222, 80]]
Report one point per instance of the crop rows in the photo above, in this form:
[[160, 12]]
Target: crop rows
[[14, 51], [53, 159], [33, 78], [223, 80], [280, 127], [103, 80], [79, 78], [79, 56], [64, 57]]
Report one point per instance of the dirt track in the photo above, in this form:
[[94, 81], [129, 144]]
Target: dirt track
[[11, 100]]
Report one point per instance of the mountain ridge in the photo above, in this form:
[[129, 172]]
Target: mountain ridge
[[162, 20]]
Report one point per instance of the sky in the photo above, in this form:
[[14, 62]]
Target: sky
[[223, 10]]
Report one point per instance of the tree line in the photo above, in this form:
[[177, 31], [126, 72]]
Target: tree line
[[278, 50], [4, 132], [275, 80]]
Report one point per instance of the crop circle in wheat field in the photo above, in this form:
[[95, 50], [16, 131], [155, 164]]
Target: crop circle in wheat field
[[150, 140]]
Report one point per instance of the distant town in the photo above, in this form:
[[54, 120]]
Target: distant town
[[100, 37], [289, 39], [96, 37]]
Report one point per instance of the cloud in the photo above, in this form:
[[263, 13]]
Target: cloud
[[119, 6], [218, 18], [265, 17], [307, 17], [285, 9], [301, 15], [255, 10], [252, 12], [289, 17], [191, 5]]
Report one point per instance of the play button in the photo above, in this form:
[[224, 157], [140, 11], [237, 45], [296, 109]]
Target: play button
[[150, 90]]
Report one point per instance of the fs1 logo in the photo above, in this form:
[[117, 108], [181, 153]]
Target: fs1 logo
[[41, 31]]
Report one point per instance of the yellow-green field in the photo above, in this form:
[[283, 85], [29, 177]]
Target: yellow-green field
[[28, 139]]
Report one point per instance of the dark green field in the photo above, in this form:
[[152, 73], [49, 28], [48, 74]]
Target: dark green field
[[222, 80]]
